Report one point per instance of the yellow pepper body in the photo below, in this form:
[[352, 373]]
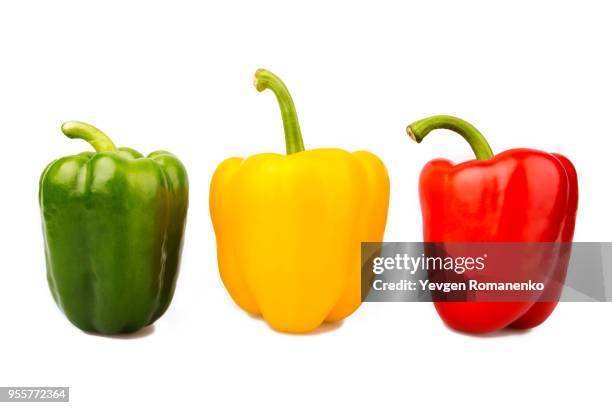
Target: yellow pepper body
[[289, 229]]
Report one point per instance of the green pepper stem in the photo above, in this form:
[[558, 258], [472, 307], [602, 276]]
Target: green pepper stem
[[265, 79], [92, 135], [421, 128]]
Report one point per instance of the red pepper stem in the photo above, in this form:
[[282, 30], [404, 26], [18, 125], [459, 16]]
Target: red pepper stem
[[265, 79], [421, 128]]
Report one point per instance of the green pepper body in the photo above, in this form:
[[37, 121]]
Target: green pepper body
[[113, 225]]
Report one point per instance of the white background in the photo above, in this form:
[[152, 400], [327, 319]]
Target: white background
[[177, 76]]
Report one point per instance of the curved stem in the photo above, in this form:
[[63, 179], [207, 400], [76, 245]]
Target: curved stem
[[421, 128], [265, 79], [92, 135]]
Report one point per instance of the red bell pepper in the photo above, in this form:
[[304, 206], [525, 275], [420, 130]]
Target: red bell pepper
[[520, 195]]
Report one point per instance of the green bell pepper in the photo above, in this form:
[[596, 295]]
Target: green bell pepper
[[113, 225]]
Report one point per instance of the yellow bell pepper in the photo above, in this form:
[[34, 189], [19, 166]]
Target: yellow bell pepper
[[289, 228]]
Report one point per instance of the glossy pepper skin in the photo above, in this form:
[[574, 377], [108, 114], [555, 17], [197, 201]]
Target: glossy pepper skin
[[289, 228], [520, 195], [113, 225]]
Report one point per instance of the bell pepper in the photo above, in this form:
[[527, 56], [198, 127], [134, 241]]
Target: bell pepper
[[289, 227], [113, 225], [520, 195]]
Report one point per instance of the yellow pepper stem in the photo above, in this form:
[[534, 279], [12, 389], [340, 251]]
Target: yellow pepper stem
[[265, 79]]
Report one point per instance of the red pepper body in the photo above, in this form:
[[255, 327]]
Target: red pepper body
[[520, 195]]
